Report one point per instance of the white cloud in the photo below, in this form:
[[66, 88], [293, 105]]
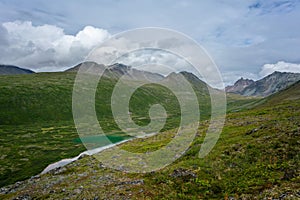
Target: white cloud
[[46, 47], [239, 35], [280, 66], [90, 35], [166, 62]]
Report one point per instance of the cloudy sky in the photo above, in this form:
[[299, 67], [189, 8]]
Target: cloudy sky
[[249, 38]]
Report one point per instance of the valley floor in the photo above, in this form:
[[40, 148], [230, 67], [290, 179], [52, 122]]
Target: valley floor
[[257, 157]]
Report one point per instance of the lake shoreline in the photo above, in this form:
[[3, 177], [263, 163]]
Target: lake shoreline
[[67, 161]]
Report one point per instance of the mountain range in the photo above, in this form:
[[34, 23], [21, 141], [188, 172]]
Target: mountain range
[[246, 87], [266, 86]]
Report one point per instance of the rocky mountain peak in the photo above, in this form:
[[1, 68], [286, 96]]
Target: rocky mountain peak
[[239, 85]]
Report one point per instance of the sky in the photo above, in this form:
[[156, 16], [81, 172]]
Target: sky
[[248, 38]]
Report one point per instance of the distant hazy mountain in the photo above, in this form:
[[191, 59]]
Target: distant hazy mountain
[[266, 86], [11, 70]]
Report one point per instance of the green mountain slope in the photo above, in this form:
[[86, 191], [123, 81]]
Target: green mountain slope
[[257, 156], [36, 122]]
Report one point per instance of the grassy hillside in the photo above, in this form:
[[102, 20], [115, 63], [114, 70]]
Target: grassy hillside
[[257, 157], [36, 122], [236, 102]]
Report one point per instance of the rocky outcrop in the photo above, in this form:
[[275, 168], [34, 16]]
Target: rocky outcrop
[[239, 85]]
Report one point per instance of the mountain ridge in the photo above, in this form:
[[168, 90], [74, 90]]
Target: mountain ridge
[[115, 70], [266, 86]]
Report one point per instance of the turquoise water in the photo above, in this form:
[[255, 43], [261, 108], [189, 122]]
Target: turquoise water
[[101, 140]]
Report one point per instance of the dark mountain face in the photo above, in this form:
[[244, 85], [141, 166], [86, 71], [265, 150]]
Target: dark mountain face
[[12, 70], [270, 84], [239, 86]]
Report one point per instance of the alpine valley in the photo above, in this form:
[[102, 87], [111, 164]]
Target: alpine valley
[[256, 157]]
